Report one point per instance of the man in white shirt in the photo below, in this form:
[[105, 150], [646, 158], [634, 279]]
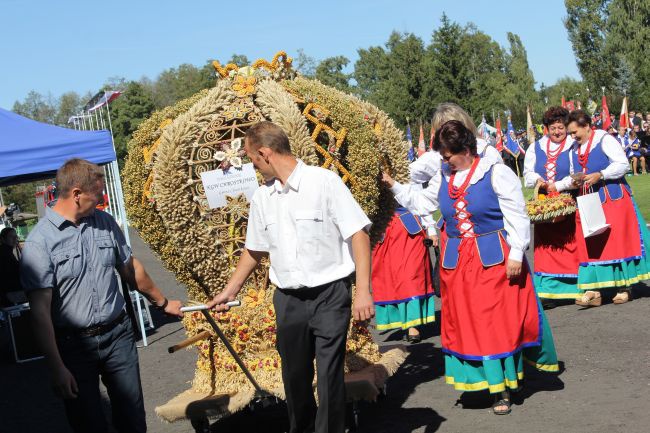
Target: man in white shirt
[[315, 233]]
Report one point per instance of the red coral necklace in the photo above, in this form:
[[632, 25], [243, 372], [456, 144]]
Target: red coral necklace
[[583, 158]]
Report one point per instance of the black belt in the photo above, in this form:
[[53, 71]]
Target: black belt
[[95, 330]]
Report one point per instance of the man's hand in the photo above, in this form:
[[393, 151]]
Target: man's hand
[[173, 308], [64, 384], [550, 187], [363, 307], [542, 184], [219, 301], [513, 269], [389, 181], [434, 240], [592, 178]]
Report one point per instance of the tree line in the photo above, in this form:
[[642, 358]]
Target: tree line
[[408, 76]]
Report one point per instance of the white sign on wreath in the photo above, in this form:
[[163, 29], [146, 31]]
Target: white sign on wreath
[[232, 182]]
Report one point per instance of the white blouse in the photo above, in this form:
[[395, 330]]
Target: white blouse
[[618, 163], [424, 168], [506, 186], [531, 176]]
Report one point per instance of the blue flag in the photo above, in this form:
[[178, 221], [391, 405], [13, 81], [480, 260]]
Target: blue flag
[[511, 140], [409, 139]]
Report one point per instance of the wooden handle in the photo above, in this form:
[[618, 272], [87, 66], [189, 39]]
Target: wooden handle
[[183, 344], [536, 191]]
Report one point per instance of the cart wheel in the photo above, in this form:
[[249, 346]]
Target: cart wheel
[[201, 425]]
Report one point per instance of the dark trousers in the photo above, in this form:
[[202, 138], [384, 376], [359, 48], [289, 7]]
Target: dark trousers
[[112, 356], [313, 322]]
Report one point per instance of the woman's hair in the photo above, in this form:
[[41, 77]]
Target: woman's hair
[[454, 137], [632, 134], [556, 114], [5, 232], [449, 111], [580, 117]]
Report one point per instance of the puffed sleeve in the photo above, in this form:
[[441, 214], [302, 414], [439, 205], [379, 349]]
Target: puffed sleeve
[[425, 167], [421, 202], [530, 175], [618, 164], [511, 202]]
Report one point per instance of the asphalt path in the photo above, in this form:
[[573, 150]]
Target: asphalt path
[[604, 385]]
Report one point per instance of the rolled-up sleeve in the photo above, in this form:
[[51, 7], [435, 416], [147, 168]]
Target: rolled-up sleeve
[[122, 247], [36, 269], [347, 214]]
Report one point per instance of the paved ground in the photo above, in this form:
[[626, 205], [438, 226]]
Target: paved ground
[[604, 387]]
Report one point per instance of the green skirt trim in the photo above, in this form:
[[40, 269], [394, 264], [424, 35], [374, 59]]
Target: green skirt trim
[[404, 315], [548, 287], [497, 375], [625, 274]]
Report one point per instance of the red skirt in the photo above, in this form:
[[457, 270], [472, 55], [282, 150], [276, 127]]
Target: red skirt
[[401, 269], [621, 241], [484, 314], [556, 248]]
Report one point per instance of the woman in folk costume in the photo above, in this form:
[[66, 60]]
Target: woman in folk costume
[[547, 165], [430, 163], [401, 277], [617, 257], [491, 317]]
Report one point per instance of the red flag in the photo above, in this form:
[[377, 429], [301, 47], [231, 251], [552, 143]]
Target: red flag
[[421, 146], [624, 120], [563, 102], [607, 122], [432, 134], [570, 105], [499, 143]]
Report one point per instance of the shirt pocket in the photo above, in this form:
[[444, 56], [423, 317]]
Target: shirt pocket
[[271, 230], [309, 224], [106, 251], [67, 263]]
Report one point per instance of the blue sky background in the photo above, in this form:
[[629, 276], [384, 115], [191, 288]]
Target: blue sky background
[[57, 46]]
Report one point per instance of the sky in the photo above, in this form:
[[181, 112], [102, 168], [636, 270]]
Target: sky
[[57, 46]]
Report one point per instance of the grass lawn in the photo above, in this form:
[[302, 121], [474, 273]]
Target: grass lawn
[[641, 190]]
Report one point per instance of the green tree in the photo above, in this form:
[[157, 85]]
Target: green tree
[[395, 78], [127, 112], [586, 24], [519, 91], [182, 82], [330, 72], [239, 60], [37, 107], [628, 37], [304, 64], [446, 66]]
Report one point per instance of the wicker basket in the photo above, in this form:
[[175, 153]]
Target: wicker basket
[[544, 209]]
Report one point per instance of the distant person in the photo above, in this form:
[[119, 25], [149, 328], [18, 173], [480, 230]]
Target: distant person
[[81, 324], [10, 288]]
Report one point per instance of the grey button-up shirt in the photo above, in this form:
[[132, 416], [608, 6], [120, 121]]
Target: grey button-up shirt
[[78, 263]]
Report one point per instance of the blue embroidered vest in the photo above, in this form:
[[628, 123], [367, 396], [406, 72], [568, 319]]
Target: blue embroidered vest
[[485, 215], [562, 169], [598, 161]]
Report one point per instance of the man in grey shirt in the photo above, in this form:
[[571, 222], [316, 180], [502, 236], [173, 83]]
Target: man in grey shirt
[[68, 271]]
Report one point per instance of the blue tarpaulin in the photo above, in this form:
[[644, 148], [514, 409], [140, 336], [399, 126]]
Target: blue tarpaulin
[[31, 150]]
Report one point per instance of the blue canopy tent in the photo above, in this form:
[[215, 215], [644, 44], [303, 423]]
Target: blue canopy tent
[[31, 150]]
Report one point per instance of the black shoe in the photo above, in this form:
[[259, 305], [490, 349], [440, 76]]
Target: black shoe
[[547, 304], [413, 339]]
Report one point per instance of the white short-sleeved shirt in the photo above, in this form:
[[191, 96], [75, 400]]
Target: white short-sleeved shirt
[[306, 227]]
